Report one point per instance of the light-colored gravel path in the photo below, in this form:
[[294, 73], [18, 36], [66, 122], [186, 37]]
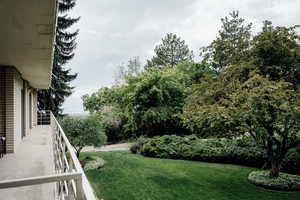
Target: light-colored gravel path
[[112, 147]]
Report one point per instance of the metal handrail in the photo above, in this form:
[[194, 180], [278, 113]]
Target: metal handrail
[[38, 180]]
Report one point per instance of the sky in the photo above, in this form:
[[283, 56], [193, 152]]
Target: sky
[[113, 31]]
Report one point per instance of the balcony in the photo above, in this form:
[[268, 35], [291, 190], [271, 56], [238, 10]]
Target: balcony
[[45, 167]]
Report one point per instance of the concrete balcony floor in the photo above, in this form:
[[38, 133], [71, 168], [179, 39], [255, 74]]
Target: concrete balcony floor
[[33, 157]]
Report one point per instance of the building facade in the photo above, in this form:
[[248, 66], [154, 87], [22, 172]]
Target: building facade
[[27, 39]]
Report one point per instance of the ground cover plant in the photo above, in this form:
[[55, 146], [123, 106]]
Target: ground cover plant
[[283, 182]]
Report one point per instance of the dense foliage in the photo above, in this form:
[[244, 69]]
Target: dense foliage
[[242, 150], [65, 43], [148, 104], [83, 131]]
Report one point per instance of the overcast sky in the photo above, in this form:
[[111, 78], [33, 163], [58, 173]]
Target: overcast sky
[[112, 31]]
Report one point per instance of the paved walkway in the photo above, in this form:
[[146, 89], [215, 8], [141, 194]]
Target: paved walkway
[[34, 157], [112, 147]]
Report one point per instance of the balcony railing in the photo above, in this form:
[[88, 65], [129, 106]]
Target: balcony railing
[[70, 179], [44, 117]]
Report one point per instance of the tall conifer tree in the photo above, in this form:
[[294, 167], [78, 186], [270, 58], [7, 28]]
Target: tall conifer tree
[[231, 43], [170, 52], [53, 98]]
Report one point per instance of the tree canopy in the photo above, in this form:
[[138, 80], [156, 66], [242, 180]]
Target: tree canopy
[[83, 132], [149, 102]]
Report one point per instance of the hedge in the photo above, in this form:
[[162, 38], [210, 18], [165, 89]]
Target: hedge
[[242, 151]]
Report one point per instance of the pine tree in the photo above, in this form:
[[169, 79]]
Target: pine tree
[[53, 98], [231, 43], [170, 52]]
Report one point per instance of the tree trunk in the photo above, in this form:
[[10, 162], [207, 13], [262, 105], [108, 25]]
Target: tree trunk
[[275, 168], [77, 154], [78, 151], [269, 151]]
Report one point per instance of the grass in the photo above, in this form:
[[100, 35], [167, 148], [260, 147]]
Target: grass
[[128, 176]]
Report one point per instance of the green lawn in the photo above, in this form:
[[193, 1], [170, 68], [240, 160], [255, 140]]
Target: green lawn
[[128, 176]]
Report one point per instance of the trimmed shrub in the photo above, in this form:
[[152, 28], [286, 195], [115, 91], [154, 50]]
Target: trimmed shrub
[[241, 150], [93, 162]]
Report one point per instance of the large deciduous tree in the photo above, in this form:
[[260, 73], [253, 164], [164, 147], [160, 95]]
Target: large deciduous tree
[[258, 96], [53, 98], [231, 43], [269, 111], [170, 52]]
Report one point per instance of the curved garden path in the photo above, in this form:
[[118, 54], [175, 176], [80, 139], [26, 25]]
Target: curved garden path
[[112, 147]]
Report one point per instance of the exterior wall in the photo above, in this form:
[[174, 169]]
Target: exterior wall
[[11, 86], [9, 104], [2, 103]]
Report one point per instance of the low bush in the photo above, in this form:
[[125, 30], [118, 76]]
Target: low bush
[[93, 162], [241, 150], [283, 182]]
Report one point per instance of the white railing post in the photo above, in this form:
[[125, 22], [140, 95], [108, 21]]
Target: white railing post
[[79, 189]]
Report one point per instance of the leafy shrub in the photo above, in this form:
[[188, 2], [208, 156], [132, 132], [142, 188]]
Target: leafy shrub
[[93, 162], [291, 162], [240, 150]]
